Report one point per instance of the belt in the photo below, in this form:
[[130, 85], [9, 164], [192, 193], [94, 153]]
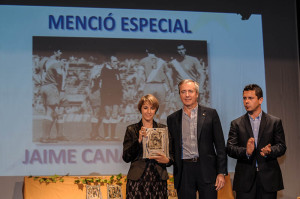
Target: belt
[[196, 159]]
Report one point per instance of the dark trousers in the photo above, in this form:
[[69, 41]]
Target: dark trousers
[[192, 181], [257, 191]]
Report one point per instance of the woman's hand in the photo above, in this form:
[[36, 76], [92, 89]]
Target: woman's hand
[[160, 158], [142, 133]]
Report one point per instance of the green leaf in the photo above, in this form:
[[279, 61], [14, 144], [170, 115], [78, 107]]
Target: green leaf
[[97, 180]]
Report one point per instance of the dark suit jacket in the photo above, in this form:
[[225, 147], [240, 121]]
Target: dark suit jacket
[[133, 152], [211, 144], [270, 132]]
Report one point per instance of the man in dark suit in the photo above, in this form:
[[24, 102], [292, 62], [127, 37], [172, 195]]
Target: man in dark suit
[[197, 145], [256, 140]]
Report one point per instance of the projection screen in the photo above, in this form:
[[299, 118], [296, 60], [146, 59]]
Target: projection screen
[[71, 78]]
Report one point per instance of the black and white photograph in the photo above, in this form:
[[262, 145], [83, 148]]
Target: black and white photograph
[[86, 89], [114, 192], [93, 192]]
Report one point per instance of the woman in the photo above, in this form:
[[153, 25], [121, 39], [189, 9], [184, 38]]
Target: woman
[[147, 178]]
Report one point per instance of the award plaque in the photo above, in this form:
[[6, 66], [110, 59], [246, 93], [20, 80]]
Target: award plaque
[[114, 192], [93, 192], [156, 141]]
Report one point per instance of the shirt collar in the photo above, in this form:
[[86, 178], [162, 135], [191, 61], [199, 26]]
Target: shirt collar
[[194, 110], [257, 118]]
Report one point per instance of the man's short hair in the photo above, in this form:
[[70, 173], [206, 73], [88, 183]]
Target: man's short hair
[[187, 81], [256, 88], [180, 46], [57, 52], [148, 99], [151, 50]]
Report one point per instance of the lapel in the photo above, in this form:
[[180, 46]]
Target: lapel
[[155, 125], [138, 127], [200, 120], [262, 126], [178, 125], [248, 125]]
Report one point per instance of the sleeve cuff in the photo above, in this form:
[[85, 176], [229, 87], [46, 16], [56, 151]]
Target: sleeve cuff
[[248, 156]]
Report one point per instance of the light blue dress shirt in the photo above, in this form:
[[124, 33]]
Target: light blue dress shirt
[[189, 134]]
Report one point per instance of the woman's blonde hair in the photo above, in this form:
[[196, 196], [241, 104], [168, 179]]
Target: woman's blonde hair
[[148, 99]]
